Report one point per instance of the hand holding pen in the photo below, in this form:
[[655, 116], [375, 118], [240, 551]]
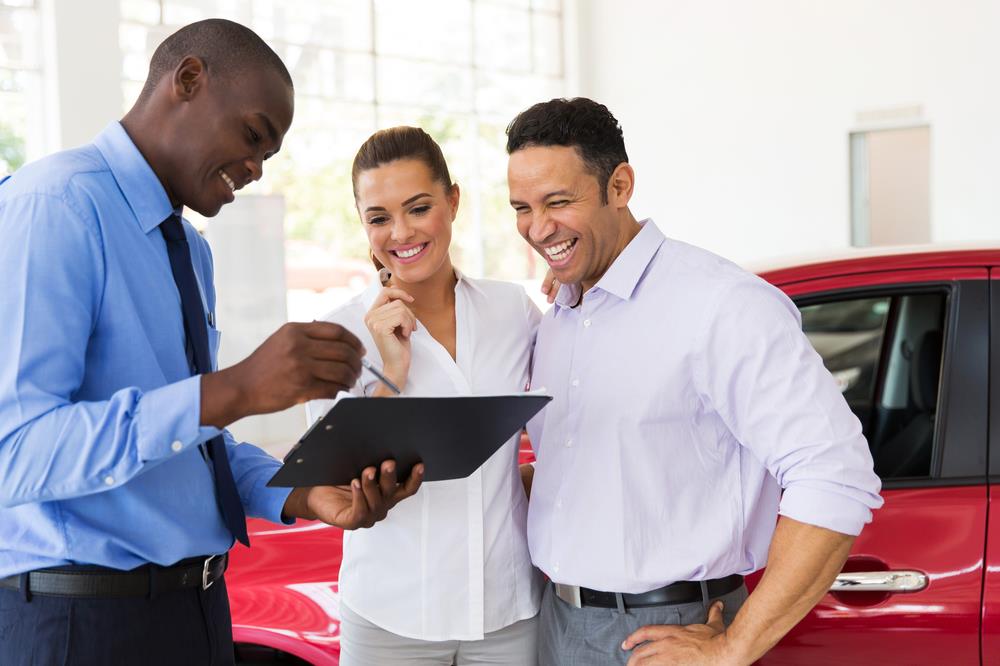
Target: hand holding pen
[[391, 323]]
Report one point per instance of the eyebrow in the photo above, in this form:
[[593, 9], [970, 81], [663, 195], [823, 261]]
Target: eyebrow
[[557, 193], [405, 203]]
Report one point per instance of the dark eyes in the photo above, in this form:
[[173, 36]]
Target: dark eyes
[[558, 204], [416, 210], [420, 210]]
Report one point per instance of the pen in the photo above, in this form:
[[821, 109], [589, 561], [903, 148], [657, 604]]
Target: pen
[[370, 367]]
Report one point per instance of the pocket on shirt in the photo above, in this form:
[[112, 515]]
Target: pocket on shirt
[[214, 338]]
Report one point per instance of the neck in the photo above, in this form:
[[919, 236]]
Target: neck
[[140, 123], [628, 228], [434, 294]]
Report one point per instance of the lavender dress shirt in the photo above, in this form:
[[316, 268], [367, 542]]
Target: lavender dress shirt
[[689, 411]]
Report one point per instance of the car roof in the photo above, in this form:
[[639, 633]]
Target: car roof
[[866, 260]]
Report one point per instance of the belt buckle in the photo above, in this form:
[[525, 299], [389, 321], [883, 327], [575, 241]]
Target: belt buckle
[[570, 594], [205, 570]]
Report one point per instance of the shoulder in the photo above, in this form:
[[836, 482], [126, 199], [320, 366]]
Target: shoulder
[[69, 180], [713, 281]]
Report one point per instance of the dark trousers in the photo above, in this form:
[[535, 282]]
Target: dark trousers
[[176, 628]]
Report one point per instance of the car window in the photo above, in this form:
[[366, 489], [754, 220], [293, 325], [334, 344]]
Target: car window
[[885, 355]]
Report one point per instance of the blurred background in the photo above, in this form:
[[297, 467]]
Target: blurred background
[[757, 128]]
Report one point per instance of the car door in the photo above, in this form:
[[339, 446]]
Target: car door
[[991, 584], [909, 350]]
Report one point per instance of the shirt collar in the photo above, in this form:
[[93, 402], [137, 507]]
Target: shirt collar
[[623, 276], [372, 291], [136, 179]]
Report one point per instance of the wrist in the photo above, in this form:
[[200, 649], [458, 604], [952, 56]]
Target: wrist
[[297, 505], [221, 399], [397, 374], [731, 651]]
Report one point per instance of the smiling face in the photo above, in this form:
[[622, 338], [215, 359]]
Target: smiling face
[[407, 215], [561, 214], [226, 130]]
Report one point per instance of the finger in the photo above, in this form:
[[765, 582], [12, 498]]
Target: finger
[[324, 330], [387, 479], [359, 506], [373, 495], [551, 298], [388, 295], [411, 485], [335, 372], [650, 632], [715, 620], [328, 350]]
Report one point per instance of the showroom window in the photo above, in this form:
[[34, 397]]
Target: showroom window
[[885, 354], [459, 68], [20, 84]]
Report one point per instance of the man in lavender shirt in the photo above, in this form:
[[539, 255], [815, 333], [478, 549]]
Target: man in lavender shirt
[[694, 435]]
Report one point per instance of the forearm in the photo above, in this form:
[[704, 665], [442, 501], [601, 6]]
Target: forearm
[[76, 449], [222, 402], [803, 562]]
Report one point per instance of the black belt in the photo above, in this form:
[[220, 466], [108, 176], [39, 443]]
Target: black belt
[[91, 581], [681, 592]]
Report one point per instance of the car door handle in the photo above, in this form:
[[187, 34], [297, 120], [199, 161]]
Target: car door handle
[[880, 581]]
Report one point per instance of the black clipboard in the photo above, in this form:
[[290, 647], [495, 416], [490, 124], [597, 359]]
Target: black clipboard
[[452, 436]]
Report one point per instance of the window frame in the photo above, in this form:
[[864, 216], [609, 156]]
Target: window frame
[[960, 444]]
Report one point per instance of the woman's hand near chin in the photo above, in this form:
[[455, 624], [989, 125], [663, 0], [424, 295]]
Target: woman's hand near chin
[[391, 322]]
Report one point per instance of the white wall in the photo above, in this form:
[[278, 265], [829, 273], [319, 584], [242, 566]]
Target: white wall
[[736, 113]]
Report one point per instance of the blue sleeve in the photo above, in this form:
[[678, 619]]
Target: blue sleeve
[[52, 447], [252, 469]]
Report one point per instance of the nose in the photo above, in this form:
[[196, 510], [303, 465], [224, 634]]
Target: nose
[[401, 231], [255, 167], [541, 227]]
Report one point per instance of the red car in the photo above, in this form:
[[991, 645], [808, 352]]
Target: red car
[[913, 340]]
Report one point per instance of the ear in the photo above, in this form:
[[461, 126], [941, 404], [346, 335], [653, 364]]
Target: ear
[[620, 185], [188, 78], [454, 194]]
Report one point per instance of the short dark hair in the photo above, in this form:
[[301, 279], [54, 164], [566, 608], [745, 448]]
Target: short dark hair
[[579, 123], [400, 143], [226, 48]]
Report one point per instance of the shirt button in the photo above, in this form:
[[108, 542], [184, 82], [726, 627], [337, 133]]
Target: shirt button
[[575, 382], [555, 569], [109, 480], [559, 503], [586, 323], [176, 446], [569, 443]]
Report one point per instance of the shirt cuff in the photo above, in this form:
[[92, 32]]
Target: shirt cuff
[[825, 508], [168, 420], [267, 503]]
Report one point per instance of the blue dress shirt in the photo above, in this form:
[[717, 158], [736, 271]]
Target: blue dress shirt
[[99, 416]]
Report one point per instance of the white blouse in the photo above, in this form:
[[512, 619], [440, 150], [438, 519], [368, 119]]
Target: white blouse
[[451, 562]]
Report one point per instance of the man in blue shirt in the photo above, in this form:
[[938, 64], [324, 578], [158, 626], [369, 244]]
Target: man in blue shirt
[[119, 487]]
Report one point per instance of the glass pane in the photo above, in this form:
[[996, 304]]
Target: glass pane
[[341, 24], [508, 94], [130, 93], [17, 3], [12, 121], [848, 336], [428, 30], [503, 37], [143, 11], [548, 45], [328, 73], [429, 85], [547, 5], [19, 39]]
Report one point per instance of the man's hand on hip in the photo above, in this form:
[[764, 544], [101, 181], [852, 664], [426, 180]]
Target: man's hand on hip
[[299, 362], [675, 644]]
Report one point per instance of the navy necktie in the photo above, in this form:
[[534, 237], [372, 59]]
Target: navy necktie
[[200, 359]]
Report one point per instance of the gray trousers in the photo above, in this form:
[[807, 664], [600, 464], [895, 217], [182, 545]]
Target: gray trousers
[[589, 636], [365, 644]]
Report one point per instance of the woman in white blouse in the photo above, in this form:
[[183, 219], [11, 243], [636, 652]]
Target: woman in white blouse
[[446, 577]]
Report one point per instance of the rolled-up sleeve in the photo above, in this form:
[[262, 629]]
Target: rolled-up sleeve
[[774, 394]]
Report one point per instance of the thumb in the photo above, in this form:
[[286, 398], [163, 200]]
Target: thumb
[[715, 616]]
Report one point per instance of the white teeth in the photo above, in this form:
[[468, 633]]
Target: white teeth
[[413, 251], [559, 251], [229, 181]]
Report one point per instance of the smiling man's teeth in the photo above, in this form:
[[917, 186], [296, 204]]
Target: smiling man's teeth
[[413, 251], [559, 252], [229, 181]]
